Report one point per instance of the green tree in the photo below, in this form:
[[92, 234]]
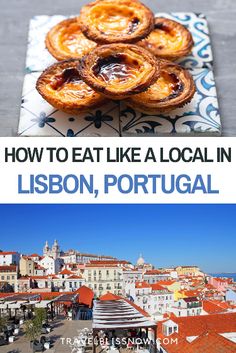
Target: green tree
[[40, 315], [3, 323], [32, 330], [33, 327]]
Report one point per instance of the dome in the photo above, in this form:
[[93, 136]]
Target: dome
[[140, 261]]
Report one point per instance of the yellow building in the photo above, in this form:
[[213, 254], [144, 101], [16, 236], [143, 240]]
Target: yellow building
[[8, 275], [188, 270], [104, 278], [172, 286], [26, 266]]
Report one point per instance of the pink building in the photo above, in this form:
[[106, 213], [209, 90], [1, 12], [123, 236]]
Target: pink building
[[220, 283]]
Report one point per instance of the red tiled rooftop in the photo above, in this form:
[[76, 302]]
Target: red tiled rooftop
[[166, 283], [109, 262], [8, 268], [157, 286], [198, 325], [75, 277], [142, 285], [209, 342], [101, 265], [110, 296], [65, 272], [212, 307], [86, 295]]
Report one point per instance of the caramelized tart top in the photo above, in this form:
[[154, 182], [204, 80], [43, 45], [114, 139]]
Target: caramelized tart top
[[123, 21], [119, 70], [168, 40], [66, 40], [62, 86], [174, 88]]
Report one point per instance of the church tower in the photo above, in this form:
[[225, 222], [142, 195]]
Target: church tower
[[46, 249], [55, 250]]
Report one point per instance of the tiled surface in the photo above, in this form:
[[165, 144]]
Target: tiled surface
[[201, 55], [38, 118], [200, 117]]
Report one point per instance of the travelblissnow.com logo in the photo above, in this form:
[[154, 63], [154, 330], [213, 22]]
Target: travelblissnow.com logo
[[78, 342]]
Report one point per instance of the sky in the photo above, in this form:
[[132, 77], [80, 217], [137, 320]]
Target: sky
[[166, 235]]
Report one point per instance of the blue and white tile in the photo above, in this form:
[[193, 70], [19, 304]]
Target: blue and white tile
[[199, 117], [38, 118], [38, 57]]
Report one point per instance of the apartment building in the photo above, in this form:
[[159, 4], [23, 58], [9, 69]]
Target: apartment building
[[103, 278], [8, 276], [9, 258]]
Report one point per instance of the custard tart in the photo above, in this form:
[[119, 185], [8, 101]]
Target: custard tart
[[66, 41], [62, 87], [119, 70], [173, 89], [169, 39], [116, 21]]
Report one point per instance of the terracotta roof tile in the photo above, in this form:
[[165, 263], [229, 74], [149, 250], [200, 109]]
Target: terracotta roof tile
[[142, 285]]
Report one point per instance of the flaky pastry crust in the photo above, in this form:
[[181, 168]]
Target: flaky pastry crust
[[169, 39], [173, 89], [119, 21], [119, 70], [62, 87], [66, 40]]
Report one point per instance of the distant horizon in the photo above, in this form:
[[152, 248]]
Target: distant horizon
[[166, 235]]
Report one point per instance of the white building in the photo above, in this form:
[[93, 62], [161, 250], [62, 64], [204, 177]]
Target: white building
[[230, 295], [50, 283], [52, 266], [131, 276], [8, 258], [191, 306], [153, 298], [75, 257], [153, 276]]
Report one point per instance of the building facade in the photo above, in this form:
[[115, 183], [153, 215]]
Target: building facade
[[104, 278], [8, 276], [9, 258]]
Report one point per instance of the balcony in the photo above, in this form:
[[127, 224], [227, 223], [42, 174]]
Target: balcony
[[194, 305]]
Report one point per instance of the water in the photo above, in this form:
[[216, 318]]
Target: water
[[225, 275]]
